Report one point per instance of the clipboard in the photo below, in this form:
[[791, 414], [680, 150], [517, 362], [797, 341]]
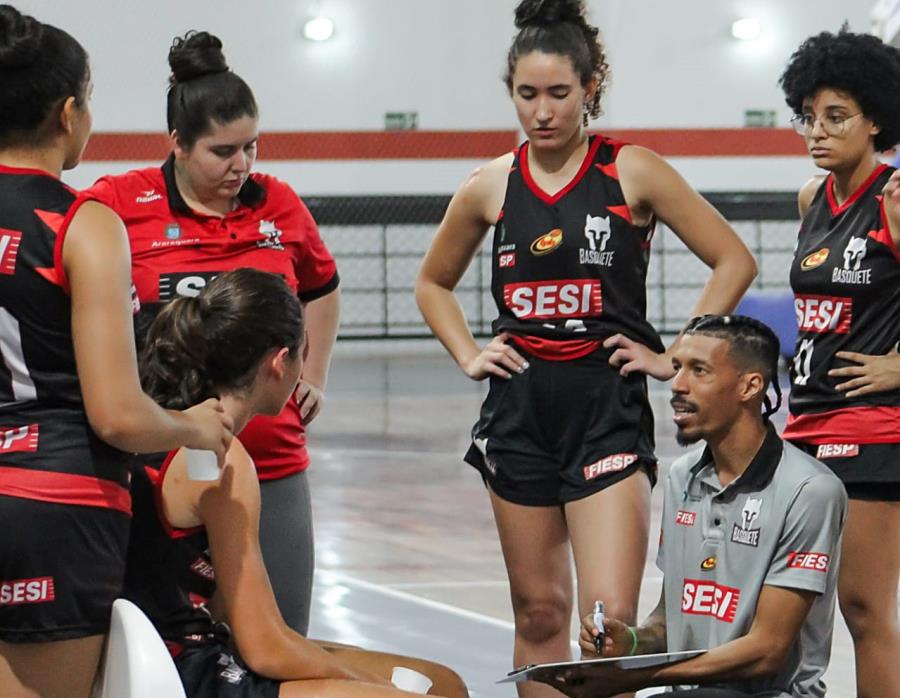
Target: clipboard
[[637, 661]]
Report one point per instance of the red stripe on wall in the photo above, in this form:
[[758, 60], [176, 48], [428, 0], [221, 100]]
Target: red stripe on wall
[[443, 145]]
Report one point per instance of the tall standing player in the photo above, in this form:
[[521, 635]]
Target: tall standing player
[[845, 395], [203, 213], [71, 404], [565, 438]]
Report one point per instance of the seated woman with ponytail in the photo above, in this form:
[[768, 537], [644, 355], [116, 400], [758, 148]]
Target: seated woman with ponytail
[[194, 563]]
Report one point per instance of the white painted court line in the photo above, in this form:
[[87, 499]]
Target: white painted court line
[[341, 578], [449, 585]]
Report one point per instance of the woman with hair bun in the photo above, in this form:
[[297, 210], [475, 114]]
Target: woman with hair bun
[[204, 212], [844, 89], [565, 437], [71, 404], [194, 563]]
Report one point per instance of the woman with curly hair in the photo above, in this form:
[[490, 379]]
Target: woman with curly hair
[[845, 399], [565, 437]]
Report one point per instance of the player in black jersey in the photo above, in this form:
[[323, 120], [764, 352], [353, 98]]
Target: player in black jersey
[[565, 438], [845, 396], [192, 539], [71, 404]]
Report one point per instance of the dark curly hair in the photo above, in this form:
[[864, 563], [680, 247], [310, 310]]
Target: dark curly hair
[[859, 64], [200, 347], [202, 88], [559, 27]]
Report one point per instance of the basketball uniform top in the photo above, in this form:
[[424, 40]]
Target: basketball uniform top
[[48, 451], [169, 573], [176, 251], [571, 265], [846, 280]]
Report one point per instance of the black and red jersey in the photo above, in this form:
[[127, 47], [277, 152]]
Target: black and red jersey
[[176, 251], [846, 281], [169, 573], [571, 265], [47, 448]]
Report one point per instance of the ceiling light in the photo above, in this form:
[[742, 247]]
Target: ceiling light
[[746, 29], [318, 29]]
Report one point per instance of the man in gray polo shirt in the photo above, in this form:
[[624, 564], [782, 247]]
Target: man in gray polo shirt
[[749, 543]]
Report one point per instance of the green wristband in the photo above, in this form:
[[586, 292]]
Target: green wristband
[[634, 641]]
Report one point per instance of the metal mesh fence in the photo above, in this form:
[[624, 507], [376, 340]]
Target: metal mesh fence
[[379, 243]]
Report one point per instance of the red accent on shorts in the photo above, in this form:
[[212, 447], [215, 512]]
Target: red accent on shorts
[[64, 488], [836, 208], [859, 425], [553, 198], [556, 349]]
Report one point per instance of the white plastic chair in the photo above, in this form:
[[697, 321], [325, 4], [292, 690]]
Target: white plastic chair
[[137, 663]]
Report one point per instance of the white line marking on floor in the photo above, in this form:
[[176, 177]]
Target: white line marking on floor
[[341, 578]]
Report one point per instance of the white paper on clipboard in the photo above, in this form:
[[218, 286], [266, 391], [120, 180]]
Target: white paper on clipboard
[[638, 661]]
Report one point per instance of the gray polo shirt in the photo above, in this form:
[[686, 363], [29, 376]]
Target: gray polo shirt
[[778, 524]]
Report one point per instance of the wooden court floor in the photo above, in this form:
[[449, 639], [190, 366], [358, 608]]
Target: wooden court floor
[[406, 551]]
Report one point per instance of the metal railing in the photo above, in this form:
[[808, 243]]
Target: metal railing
[[379, 242]]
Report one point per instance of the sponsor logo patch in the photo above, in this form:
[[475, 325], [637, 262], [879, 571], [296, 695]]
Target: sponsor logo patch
[[808, 561], [9, 250], [685, 518], [21, 591], [271, 234], [561, 299], [508, 259], [709, 563], [184, 285], [204, 568], [173, 231], [546, 243], [854, 254], [837, 451], [702, 598], [147, 196], [744, 533], [823, 314], [19, 439], [610, 464], [744, 536], [816, 259], [597, 231]]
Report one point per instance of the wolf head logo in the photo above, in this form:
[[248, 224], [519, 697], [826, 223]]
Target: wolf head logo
[[597, 230], [854, 253], [750, 512]]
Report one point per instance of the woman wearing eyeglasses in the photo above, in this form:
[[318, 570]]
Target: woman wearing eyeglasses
[[845, 394]]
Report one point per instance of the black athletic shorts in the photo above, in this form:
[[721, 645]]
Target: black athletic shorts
[[868, 471], [563, 430], [61, 568], [210, 670]]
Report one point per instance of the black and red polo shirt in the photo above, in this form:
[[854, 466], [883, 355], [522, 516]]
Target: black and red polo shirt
[[846, 281], [571, 265], [176, 251]]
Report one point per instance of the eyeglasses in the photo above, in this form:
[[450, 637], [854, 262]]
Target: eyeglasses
[[832, 124]]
